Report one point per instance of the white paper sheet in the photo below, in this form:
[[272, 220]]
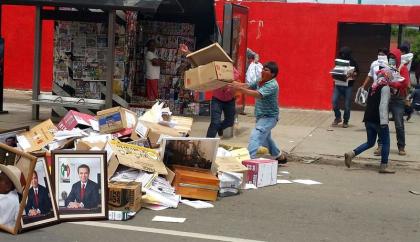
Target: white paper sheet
[[168, 219], [197, 204], [281, 181], [154, 207], [285, 172], [249, 186], [307, 182]]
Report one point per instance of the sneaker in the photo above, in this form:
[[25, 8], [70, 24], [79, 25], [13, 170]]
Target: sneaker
[[348, 157], [378, 151], [282, 159], [345, 125], [220, 132], [401, 151], [384, 169], [337, 121]]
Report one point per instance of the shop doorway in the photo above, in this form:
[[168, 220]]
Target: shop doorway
[[364, 40]]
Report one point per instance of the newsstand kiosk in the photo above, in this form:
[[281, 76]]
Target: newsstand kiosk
[[99, 50]]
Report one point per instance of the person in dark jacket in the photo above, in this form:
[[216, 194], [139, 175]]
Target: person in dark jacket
[[39, 201], [376, 120], [84, 193], [344, 91]]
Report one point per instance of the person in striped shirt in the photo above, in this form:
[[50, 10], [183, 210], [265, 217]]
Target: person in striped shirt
[[266, 93]]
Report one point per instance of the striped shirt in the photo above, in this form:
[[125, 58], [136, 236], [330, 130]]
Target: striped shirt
[[268, 105]]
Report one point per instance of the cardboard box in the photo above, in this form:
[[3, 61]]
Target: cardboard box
[[115, 119], [75, 119], [37, 137], [214, 69], [195, 183], [230, 164], [124, 196], [133, 156], [261, 172]]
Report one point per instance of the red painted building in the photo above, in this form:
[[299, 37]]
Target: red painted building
[[302, 38]]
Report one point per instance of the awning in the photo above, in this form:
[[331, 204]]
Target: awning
[[133, 5]]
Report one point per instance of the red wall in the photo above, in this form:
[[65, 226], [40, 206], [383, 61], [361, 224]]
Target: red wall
[[300, 37], [18, 28]]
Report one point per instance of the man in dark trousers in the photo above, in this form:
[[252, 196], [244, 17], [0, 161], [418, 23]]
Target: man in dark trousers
[[39, 202], [84, 193]]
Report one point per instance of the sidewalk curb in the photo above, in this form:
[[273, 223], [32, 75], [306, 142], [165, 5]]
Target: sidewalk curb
[[337, 160]]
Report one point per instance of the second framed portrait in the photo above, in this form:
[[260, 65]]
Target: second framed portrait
[[80, 184], [40, 208]]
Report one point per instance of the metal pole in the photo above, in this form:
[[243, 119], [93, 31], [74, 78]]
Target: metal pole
[[110, 59], [2, 48], [400, 30], [36, 81]]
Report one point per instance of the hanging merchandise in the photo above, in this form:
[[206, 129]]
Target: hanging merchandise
[[168, 36], [80, 58]]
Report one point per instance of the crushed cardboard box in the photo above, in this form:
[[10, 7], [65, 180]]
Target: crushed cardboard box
[[37, 137], [133, 156], [230, 164], [75, 119]]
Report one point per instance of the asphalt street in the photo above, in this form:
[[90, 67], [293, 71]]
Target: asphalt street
[[355, 204]]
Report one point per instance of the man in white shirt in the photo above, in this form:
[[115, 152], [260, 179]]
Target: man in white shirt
[[10, 186], [153, 65], [374, 67], [253, 73]]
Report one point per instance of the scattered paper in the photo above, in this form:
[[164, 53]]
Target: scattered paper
[[197, 204], [285, 172], [168, 219], [154, 207], [280, 181], [221, 152], [415, 192], [249, 186], [307, 182]]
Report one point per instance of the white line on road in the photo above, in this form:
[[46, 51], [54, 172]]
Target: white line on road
[[164, 231]]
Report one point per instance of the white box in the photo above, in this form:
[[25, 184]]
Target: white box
[[261, 172]]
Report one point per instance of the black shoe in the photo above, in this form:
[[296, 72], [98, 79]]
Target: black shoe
[[282, 159], [220, 132]]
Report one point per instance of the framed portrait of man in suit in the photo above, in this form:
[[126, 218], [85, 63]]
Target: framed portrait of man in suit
[[8, 137], [80, 184], [41, 208]]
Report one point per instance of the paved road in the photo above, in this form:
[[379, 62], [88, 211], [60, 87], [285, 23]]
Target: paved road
[[350, 205]]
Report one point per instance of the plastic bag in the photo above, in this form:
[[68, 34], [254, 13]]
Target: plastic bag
[[361, 97]]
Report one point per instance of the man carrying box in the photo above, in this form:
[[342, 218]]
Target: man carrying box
[[266, 93]]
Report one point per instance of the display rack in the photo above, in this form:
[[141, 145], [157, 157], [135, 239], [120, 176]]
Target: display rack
[[168, 36]]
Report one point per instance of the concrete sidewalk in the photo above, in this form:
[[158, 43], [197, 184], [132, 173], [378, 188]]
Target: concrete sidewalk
[[306, 135]]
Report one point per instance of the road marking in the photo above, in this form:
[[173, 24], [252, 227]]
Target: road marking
[[163, 231]]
